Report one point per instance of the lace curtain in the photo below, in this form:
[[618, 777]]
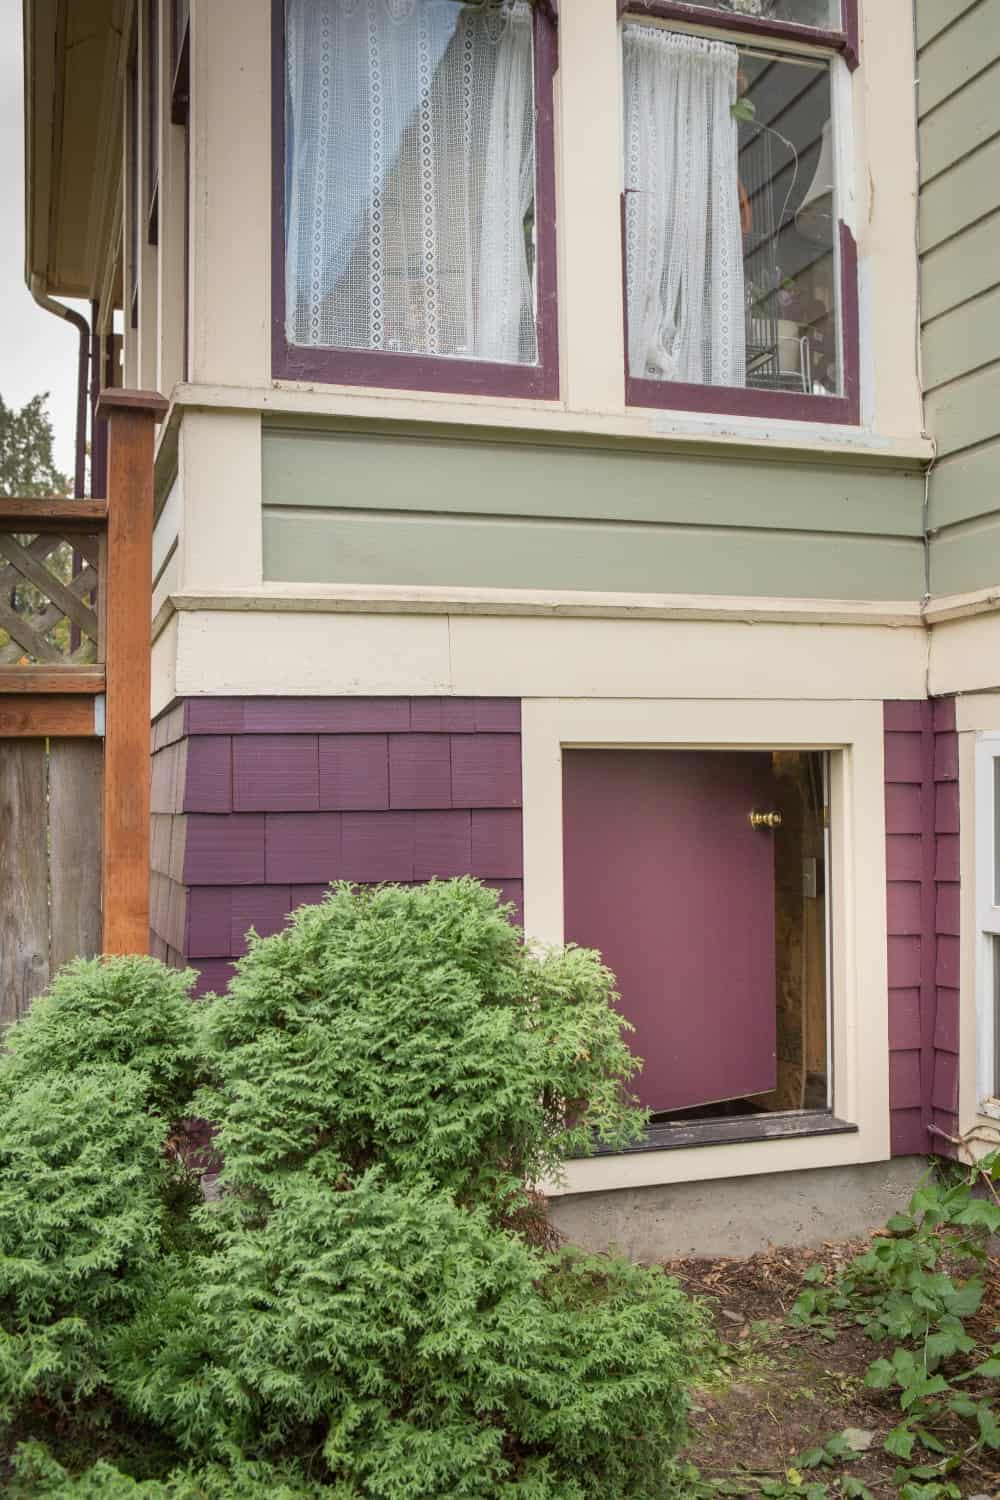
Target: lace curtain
[[410, 177], [683, 240]]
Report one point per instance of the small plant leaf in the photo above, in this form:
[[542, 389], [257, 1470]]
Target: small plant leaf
[[899, 1442]]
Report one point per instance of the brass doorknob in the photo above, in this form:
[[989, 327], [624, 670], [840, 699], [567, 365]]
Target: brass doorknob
[[765, 820]]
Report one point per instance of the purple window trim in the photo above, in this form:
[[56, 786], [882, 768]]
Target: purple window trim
[[742, 401], [412, 372], [844, 41], [845, 410]]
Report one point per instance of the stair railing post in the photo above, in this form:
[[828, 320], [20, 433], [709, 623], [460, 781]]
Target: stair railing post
[[127, 588]]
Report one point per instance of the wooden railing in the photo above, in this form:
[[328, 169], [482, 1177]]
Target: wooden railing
[[75, 595]]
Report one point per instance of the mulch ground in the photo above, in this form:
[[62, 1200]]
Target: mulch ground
[[787, 1390]]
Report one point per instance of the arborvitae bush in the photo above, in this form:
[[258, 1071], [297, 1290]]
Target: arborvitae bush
[[132, 1011], [409, 1028], [356, 1316]]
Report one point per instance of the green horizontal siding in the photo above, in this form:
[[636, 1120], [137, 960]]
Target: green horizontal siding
[[966, 557], [374, 471], [958, 54], [965, 485], [969, 192], [933, 17], [960, 124], [353, 507], [315, 546], [962, 340], [965, 412], [961, 268], [958, 68]]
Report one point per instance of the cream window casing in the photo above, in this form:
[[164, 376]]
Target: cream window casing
[[853, 734]]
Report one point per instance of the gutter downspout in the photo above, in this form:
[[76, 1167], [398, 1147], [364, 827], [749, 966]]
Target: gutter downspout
[[60, 310]]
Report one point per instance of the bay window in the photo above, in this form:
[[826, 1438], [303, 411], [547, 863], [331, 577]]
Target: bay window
[[417, 221], [740, 277]]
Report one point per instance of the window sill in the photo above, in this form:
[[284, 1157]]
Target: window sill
[[781, 1125], [555, 421]]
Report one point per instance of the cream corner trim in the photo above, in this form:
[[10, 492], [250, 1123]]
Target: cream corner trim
[[279, 598]]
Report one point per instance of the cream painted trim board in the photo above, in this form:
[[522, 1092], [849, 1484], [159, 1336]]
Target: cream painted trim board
[[296, 652], [853, 732], [944, 607], [682, 430], [283, 598]]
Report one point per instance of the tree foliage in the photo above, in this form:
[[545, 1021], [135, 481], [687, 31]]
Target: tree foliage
[[27, 464], [356, 1315]]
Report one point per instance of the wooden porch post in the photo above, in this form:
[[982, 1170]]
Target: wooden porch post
[[126, 587]]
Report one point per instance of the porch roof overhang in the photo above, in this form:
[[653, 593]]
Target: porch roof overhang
[[72, 133]]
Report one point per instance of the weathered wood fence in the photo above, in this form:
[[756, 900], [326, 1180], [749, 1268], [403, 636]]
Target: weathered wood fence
[[75, 581]]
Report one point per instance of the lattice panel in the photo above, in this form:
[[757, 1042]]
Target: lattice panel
[[48, 614]]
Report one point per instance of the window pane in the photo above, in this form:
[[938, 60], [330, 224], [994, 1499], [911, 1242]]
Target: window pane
[[824, 14], [410, 177], [730, 215], [996, 831]]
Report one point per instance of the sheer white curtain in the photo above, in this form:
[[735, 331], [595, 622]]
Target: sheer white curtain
[[683, 240], [410, 177]]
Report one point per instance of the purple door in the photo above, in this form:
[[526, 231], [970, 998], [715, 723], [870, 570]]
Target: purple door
[[666, 877]]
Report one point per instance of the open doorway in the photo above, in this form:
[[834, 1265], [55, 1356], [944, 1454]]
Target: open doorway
[[702, 877]]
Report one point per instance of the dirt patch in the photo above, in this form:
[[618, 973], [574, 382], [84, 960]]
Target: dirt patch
[[783, 1391]]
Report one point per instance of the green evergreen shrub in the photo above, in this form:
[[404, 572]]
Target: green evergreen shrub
[[357, 1316], [128, 1010], [92, 1206], [85, 1191], [410, 1028], [425, 1352]]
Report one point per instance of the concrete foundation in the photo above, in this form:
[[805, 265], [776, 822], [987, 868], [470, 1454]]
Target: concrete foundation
[[739, 1216]]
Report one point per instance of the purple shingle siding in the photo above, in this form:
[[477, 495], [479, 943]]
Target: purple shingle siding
[[354, 772], [224, 850], [442, 844], [208, 786], [276, 773], [304, 848], [485, 770], [262, 802], [420, 770], [922, 870]]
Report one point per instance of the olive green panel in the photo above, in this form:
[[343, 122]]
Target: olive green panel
[[960, 124], [374, 471], [962, 340], [316, 546], [965, 412], [966, 557], [962, 268], [965, 486], [934, 15], [966, 192], [949, 62]]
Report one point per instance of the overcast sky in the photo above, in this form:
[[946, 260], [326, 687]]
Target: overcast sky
[[38, 352]]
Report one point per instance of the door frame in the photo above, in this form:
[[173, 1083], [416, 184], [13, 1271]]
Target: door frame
[[852, 733]]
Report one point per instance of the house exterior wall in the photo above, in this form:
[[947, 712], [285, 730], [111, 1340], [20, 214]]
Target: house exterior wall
[[958, 62], [619, 575]]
